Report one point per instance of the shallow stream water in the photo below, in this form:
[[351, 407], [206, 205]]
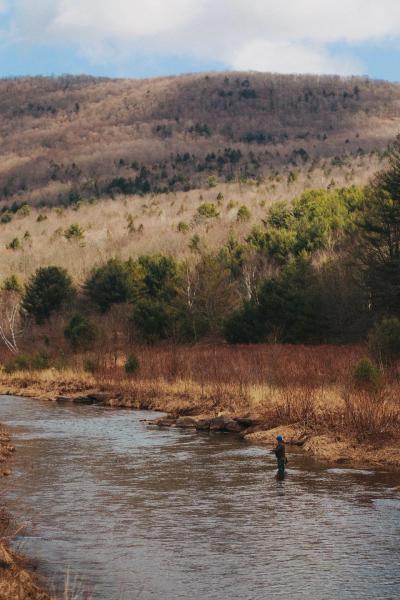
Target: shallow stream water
[[135, 512]]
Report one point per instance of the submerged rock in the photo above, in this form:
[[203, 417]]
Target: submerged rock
[[84, 400], [203, 424], [217, 424], [91, 398], [163, 422], [100, 397], [233, 426], [228, 424], [186, 422], [246, 422]]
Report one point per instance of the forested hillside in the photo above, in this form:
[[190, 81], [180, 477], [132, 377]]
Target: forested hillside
[[279, 242], [322, 268], [68, 138]]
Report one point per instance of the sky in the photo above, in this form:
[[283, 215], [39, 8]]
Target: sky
[[136, 38]]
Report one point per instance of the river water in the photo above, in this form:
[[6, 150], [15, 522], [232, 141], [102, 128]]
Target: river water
[[140, 513]]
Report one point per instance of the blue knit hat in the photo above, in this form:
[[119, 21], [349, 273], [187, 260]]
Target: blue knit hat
[[279, 438]]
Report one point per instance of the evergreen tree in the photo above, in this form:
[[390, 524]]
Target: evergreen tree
[[80, 332], [116, 282], [379, 237], [47, 290]]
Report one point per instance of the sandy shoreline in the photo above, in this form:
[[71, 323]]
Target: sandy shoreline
[[17, 581]]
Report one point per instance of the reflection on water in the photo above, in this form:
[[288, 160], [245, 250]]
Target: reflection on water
[[169, 514]]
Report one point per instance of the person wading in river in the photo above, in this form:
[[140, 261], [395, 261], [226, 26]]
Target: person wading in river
[[280, 453]]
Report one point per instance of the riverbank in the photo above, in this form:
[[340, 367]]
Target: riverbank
[[335, 425], [175, 507], [17, 581]]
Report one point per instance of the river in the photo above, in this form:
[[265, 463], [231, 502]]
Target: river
[[135, 512]]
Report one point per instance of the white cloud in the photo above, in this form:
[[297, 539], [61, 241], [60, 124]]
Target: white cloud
[[324, 20], [289, 36], [289, 57], [121, 19]]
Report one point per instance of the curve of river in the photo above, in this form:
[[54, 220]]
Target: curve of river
[[143, 513]]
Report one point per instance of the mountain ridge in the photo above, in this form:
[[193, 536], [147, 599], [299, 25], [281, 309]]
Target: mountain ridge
[[73, 137]]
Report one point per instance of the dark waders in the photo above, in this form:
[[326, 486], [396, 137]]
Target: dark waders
[[281, 468], [280, 453]]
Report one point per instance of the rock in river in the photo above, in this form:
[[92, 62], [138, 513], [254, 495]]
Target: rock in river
[[100, 397], [225, 424], [77, 399], [233, 426], [203, 424], [84, 400], [163, 421], [186, 422]]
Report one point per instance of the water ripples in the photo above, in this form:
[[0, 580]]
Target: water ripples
[[170, 515]]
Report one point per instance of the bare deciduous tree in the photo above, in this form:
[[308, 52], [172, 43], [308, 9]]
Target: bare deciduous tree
[[255, 268], [11, 320]]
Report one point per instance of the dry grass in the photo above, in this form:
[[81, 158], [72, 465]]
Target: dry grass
[[275, 364], [73, 589], [372, 415], [16, 579], [278, 384]]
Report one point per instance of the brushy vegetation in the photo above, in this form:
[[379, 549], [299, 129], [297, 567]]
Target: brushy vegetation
[[311, 386], [384, 340], [27, 362], [366, 374], [132, 365]]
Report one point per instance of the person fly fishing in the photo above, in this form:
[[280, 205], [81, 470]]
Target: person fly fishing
[[280, 453]]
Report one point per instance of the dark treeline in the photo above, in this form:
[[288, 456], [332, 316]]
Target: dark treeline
[[324, 268]]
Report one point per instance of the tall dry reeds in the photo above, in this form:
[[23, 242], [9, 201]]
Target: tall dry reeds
[[371, 415], [242, 379], [275, 364], [312, 386]]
